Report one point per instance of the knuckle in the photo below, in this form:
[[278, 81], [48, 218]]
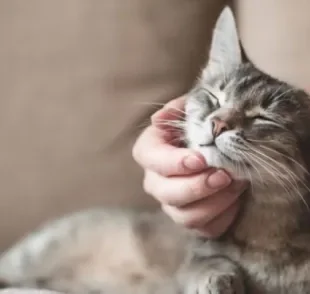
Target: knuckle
[[156, 166], [196, 220], [190, 223], [153, 187], [135, 151], [147, 187], [180, 168], [180, 218], [170, 194], [167, 198], [197, 187], [171, 200], [161, 170], [169, 166]]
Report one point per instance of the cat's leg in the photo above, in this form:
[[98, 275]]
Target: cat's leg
[[211, 275]]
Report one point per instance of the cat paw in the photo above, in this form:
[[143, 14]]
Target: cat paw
[[215, 284]]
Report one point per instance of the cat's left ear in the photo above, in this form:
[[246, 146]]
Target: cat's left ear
[[225, 52]]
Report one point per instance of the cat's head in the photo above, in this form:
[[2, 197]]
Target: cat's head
[[241, 119]]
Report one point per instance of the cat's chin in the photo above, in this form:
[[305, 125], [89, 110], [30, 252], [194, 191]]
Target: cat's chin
[[215, 158]]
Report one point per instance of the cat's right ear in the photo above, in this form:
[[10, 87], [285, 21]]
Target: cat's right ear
[[225, 52]]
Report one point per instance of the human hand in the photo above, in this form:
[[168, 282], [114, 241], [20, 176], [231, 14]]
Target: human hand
[[191, 193]]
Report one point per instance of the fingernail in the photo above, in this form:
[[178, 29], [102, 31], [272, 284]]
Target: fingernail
[[218, 180], [194, 163]]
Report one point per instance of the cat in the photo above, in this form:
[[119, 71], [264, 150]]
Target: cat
[[113, 251], [241, 119]]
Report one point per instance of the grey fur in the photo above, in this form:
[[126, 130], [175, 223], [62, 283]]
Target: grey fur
[[266, 140]]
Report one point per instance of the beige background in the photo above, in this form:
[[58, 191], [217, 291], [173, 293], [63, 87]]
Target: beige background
[[74, 73]]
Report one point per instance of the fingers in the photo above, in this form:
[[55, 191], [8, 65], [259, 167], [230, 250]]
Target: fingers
[[171, 111], [153, 152], [180, 191], [200, 213], [154, 149], [190, 192]]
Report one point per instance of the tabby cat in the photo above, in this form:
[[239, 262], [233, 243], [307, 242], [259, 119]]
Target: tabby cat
[[254, 126]]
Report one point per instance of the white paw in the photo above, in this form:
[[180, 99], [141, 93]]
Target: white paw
[[214, 284]]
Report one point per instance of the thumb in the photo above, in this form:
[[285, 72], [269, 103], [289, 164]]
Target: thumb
[[163, 158]]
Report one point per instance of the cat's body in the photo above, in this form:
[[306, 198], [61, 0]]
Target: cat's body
[[271, 259], [98, 251], [124, 251], [242, 120]]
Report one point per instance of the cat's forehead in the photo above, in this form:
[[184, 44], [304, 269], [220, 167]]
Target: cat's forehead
[[253, 91]]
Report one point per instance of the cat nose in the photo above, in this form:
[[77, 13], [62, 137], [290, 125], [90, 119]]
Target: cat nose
[[218, 126]]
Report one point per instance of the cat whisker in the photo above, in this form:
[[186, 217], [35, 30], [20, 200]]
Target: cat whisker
[[283, 172], [260, 141], [246, 169], [162, 105], [276, 91], [170, 127], [292, 175], [183, 120], [283, 167], [248, 158], [142, 125], [287, 157], [146, 123], [177, 140], [274, 173], [284, 93], [182, 114], [175, 129], [171, 122], [152, 103], [253, 148], [178, 116]]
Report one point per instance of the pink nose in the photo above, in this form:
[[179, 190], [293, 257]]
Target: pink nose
[[218, 126]]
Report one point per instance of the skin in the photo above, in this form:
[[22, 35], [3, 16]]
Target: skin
[[190, 193]]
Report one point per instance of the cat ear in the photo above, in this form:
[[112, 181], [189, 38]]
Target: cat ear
[[225, 51]]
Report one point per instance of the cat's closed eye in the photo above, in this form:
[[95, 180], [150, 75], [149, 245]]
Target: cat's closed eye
[[261, 118]]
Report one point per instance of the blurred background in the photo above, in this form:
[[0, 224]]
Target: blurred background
[[77, 79]]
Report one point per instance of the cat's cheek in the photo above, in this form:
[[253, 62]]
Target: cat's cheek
[[198, 134], [211, 155], [192, 134], [213, 158]]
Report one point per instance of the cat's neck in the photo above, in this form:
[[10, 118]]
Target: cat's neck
[[268, 223]]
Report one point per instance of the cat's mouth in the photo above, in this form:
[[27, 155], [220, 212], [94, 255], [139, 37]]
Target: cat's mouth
[[220, 151], [220, 155], [224, 154], [207, 145]]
